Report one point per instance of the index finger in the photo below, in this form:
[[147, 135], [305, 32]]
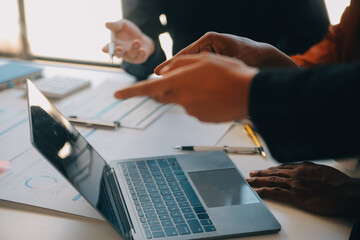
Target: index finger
[[145, 88]]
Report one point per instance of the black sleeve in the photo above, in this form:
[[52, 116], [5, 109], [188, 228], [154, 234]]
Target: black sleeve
[[308, 114], [145, 14]]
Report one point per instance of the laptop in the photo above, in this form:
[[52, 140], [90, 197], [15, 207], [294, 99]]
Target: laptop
[[188, 196]]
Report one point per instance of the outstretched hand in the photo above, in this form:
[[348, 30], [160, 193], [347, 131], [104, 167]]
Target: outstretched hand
[[317, 188], [210, 87], [131, 43], [252, 53]]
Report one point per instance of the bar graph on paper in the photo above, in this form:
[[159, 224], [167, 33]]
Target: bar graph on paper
[[100, 104]]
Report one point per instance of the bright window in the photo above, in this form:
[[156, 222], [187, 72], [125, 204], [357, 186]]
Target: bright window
[[70, 29], [75, 29]]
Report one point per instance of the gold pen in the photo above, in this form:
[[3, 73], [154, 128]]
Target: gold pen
[[253, 137]]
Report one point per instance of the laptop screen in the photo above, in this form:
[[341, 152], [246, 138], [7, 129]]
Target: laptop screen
[[68, 151]]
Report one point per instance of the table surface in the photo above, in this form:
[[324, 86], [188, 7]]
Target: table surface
[[19, 221]]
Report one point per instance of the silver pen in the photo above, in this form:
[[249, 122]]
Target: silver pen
[[112, 47], [93, 123], [228, 149]]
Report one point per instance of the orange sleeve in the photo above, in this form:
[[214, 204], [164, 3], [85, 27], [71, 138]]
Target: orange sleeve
[[340, 45], [324, 52]]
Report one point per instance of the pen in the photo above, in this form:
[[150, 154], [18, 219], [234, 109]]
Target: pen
[[93, 123], [253, 137], [237, 150], [112, 47]]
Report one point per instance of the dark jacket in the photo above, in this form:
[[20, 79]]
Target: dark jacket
[[308, 114], [290, 25]]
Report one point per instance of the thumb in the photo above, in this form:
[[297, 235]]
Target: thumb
[[115, 26]]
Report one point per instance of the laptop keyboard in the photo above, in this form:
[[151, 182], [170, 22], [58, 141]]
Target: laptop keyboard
[[166, 203]]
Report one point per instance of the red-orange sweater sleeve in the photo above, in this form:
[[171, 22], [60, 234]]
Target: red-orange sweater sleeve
[[340, 45]]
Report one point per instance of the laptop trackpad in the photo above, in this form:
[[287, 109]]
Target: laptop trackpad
[[225, 187]]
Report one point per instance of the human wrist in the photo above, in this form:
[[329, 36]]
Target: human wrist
[[273, 57], [246, 77]]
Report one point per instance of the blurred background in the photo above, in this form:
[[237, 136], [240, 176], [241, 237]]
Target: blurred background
[[74, 31]]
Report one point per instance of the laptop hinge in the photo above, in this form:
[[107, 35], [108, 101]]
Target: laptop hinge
[[120, 203]]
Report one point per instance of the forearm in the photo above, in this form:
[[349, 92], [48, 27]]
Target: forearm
[[308, 114]]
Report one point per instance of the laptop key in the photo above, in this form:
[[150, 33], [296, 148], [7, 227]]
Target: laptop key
[[170, 231], [189, 215], [164, 217], [175, 214], [178, 194], [173, 184], [182, 199], [173, 208], [167, 223], [179, 220], [161, 183], [153, 189], [146, 204], [203, 216], [170, 203], [190, 193], [156, 228], [210, 228], [171, 179], [159, 205], [171, 160], [151, 163], [162, 211], [167, 197], [152, 222], [183, 229], [162, 163], [206, 222], [183, 204], [150, 184], [149, 209], [151, 216], [144, 199], [186, 210], [199, 209], [178, 172], [181, 177], [148, 234], [195, 226], [159, 234], [157, 200], [163, 187], [165, 192], [155, 195]]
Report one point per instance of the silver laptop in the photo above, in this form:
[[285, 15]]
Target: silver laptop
[[188, 196]]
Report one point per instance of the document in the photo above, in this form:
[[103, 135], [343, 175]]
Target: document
[[31, 180], [100, 104]]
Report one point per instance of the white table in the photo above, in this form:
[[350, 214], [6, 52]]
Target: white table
[[18, 221]]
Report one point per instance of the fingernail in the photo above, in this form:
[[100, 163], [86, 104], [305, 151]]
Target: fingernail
[[252, 173], [118, 95], [136, 45]]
